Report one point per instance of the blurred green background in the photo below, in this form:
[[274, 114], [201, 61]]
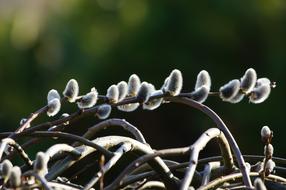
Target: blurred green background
[[101, 42]]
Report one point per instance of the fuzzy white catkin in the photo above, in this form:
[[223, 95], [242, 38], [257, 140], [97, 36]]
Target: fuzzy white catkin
[[248, 81], [71, 91], [103, 111], [200, 94], [259, 185], [268, 150], [229, 90], [112, 94], [265, 132], [133, 85], [270, 165], [15, 177], [144, 92], [261, 91], [263, 81], [203, 79], [53, 94], [237, 98], [88, 100], [154, 103], [41, 164], [175, 83], [54, 107], [128, 107], [164, 86], [6, 169], [122, 90]]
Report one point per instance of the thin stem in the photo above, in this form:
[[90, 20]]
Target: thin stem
[[235, 176], [40, 178], [22, 153], [111, 141], [84, 141], [183, 100], [55, 185], [59, 148], [32, 117], [152, 174], [194, 154], [221, 125], [143, 159], [122, 123], [152, 185], [29, 120], [249, 158], [117, 155], [207, 171]]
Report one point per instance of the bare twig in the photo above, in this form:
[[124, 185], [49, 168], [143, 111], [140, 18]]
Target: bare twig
[[207, 171], [22, 153], [58, 148], [30, 119], [194, 154], [235, 176], [220, 124], [117, 155], [109, 142], [143, 159], [40, 178], [101, 165], [152, 184], [114, 123]]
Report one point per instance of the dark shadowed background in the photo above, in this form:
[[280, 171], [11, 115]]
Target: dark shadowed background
[[45, 43]]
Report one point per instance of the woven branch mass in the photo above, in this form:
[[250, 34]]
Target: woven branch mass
[[105, 162]]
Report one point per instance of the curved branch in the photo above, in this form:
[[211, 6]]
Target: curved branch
[[84, 141], [152, 184], [22, 153], [152, 174], [143, 159], [235, 176], [207, 171], [42, 180], [114, 123], [220, 124], [197, 147], [58, 148], [117, 155], [109, 142]]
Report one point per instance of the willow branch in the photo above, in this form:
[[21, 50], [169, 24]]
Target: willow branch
[[22, 153], [29, 120], [152, 174], [41, 179], [59, 148], [114, 123], [207, 171], [117, 155], [109, 142], [143, 159], [221, 125], [195, 150], [235, 176], [152, 184], [73, 137], [27, 123]]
